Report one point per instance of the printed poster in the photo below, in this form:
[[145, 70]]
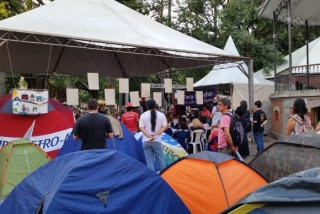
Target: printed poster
[[30, 102]]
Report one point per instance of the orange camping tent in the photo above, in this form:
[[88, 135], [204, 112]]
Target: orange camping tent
[[209, 182]]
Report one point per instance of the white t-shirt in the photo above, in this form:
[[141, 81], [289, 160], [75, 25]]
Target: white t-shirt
[[216, 116], [145, 122]]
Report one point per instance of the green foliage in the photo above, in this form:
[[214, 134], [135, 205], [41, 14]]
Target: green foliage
[[11, 82], [199, 19], [251, 33], [140, 6]]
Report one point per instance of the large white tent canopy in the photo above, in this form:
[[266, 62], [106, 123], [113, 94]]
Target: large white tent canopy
[[299, 58], [237, 81], [74, 37], [301, 10]]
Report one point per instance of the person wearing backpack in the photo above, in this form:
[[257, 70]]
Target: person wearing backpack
[[225, 142], [246, 116], [259, 120], [243, 148], [299, 122]]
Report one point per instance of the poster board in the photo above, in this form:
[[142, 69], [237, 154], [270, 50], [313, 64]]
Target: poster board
[[30, 102]]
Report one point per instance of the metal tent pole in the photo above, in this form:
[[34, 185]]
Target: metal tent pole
[[251, 92], [250, 83], [275, 50], [307, 47], [290, 45]]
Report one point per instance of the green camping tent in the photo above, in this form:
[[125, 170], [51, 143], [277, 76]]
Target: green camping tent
[[18, 159]]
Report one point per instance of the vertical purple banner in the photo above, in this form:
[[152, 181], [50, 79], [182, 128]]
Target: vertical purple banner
[[208, 96], [190, 98]]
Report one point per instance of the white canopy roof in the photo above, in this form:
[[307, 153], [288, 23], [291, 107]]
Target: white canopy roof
[[299, 58], [301, 10], [231, 73], [98, 36]]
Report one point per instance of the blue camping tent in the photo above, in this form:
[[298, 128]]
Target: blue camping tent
[[128, 145], [93, 181], [172, 150]]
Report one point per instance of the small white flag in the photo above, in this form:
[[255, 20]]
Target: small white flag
[[180, 99], [168, 85], [145, 89], [123, 85], [189, 84], [72, 96], [134, 98], [157, 96], [110, 96], [93, 81], [199, 97]]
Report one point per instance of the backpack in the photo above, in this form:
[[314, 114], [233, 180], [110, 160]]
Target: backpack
[[236, 131], [304, 125], [249, 125]]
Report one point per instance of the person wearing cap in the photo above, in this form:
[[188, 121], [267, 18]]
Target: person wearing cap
[[130, 119]]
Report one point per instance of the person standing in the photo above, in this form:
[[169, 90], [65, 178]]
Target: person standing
[[299, 122], [247, 117], [93, 128], [152, 124], [246, 114], [130, 119], [215, 114], [225, 143], [259, 121], [243, 148], [205, 113]]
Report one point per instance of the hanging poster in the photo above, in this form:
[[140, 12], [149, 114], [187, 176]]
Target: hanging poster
[[30, 102]]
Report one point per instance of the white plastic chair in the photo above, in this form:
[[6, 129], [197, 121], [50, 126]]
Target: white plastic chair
[[196, 137]]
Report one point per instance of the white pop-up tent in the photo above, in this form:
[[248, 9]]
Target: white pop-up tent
[[237, 81]]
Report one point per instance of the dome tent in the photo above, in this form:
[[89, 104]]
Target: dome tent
[[128, 145], [93, 181], [292, 154], [50, 130], [209, 182], [297, 193], [18, 159]]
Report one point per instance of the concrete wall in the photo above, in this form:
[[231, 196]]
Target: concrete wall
[[282, 102]]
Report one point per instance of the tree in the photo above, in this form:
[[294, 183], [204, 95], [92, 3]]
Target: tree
[[253, 35], [9, 8], [199, 19]]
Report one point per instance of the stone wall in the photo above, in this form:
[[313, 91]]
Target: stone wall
[[281, 105]]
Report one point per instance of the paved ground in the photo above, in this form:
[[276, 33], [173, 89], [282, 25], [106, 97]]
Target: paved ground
[[253, 148]]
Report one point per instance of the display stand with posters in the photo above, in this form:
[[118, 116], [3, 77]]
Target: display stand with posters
[[31, 102]]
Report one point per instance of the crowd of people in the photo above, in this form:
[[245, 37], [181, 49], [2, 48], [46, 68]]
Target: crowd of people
[[217, 125], [92, 127]]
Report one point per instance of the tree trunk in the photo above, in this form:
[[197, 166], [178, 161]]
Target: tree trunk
[[169, 12], [215, 19], [161, 10]]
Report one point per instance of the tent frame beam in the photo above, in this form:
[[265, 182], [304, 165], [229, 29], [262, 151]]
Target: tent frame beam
[[30, 38], [284, 18]]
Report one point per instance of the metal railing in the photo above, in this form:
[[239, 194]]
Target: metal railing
[[300, 79]]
